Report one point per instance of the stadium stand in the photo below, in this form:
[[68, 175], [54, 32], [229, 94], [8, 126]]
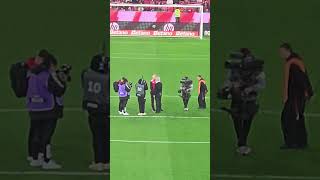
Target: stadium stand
[[205, 3]]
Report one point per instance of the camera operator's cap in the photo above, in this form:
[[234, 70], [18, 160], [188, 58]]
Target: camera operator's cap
[[43, 53], [99, 63]]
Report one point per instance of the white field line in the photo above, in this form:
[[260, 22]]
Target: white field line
[[127, 58], [238, 176], [161, 142], [160, 54], [56, 173]]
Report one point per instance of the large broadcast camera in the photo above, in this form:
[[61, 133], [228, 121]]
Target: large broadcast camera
[[186, 86], [243, 69], [63, 73]]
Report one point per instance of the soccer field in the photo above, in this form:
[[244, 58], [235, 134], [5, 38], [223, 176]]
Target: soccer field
[[263, 26], [172, 145]]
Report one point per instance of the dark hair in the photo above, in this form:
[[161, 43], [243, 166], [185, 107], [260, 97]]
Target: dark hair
[[52, 59], [99, 63], [286, 46], [124, 79], [43, 53], [200, 76], [141, 81], [245, 51]]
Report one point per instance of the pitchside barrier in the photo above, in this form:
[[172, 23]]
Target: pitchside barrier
[[158, 20]]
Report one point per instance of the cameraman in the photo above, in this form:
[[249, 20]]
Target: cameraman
[[123, 87], [43, 89], [141, 88], [185, 91], [95, 84], [244, 80]]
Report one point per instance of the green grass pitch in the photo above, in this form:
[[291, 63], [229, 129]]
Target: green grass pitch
[[263, 26], [157, 154]]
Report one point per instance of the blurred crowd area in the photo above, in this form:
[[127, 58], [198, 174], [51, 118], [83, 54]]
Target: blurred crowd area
[[205, 3]]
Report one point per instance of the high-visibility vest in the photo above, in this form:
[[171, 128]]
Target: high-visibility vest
[[177, 13]]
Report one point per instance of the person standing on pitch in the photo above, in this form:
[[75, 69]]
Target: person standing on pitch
[[95, 84], [153, 91], [43, 87], [141, 88], [158, 94], [185, 91], [123, 87], [19, 82], [297, 90], [245, 79], [202, 91]]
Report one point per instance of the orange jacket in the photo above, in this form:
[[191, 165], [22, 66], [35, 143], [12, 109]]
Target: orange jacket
[[287, 65], [199, 84]]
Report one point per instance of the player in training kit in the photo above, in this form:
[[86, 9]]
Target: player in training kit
[[95, 84], [141, 88]]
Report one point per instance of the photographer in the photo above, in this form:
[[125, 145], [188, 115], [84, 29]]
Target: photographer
[[244, 80], [43, 93], [185, 91], [95, 84], [141, 88], [123, 87]]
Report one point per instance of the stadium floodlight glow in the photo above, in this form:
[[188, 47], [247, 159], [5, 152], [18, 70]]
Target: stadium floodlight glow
[[152, 20]]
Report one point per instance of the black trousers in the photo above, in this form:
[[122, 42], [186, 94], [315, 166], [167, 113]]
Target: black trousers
[[152, 102], [242, 116], [40, 135], [142, 103], [293, 125], [185, 100], [123, 103], [202, 101], [99, 126], [158, 103]]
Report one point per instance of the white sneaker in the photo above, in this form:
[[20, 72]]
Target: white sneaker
[[186, 109], [48, 149], [51, 165], [97, 167], [29, 158], [36, 163], [120, 112], [140, 114], [144, 114], [244, 150], [106, 166], [125, 114]]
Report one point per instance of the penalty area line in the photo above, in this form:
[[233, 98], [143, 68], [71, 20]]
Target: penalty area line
[[239, 176], [56, 173]]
